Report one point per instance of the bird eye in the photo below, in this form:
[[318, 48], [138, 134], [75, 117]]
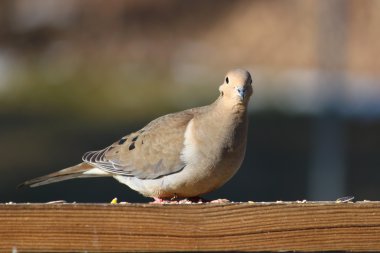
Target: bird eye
[[227, 80]]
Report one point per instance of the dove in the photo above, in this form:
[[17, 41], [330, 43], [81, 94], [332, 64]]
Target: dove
[[179, 155]]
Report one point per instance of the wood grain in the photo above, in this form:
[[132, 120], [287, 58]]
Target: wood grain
[[204, 227]]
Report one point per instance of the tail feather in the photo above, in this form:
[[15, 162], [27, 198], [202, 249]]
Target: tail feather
[[81, 170]]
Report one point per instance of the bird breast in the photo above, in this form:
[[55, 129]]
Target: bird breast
[[214, 147]]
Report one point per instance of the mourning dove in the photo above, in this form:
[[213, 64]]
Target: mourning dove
[[184, 154]]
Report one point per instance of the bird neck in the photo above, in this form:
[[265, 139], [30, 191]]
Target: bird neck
[[231, 107]]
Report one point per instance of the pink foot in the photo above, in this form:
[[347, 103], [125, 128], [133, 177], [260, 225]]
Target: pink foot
[[158, 201]]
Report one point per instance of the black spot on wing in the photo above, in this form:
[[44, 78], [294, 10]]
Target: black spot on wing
[[122, 140], [132, 146], [135, 138]]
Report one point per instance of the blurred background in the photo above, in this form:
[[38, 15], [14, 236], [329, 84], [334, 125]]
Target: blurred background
[[77, 75]]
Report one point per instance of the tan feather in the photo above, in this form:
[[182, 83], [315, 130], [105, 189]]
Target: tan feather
[[65, 174]]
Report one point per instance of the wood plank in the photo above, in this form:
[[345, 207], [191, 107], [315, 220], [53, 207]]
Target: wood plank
[[183, 227]]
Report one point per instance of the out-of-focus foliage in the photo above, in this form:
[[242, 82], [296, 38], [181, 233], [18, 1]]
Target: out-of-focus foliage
[[76, 55]]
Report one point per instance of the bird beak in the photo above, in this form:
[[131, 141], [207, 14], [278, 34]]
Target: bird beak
[[241, 92]]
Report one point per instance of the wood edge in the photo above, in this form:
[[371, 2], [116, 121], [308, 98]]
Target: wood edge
[[249, 203]]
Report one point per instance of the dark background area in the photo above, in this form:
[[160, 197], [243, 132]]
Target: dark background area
[[77, 75]]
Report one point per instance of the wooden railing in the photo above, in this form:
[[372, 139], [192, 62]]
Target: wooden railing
[[287, 226]]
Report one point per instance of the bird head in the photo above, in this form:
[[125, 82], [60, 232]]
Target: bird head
[[237, 86]]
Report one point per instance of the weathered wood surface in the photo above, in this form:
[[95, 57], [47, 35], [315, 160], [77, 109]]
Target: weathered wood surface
[[205, 227]]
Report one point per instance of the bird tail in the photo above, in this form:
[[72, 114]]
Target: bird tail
[[81, 170]]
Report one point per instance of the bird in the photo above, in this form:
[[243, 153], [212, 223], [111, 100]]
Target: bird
[[179, 155]]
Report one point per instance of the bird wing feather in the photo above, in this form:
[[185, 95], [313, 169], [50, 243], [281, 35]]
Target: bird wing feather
[[152, 152]]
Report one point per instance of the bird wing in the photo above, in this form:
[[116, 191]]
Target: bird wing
[[152, 152]]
